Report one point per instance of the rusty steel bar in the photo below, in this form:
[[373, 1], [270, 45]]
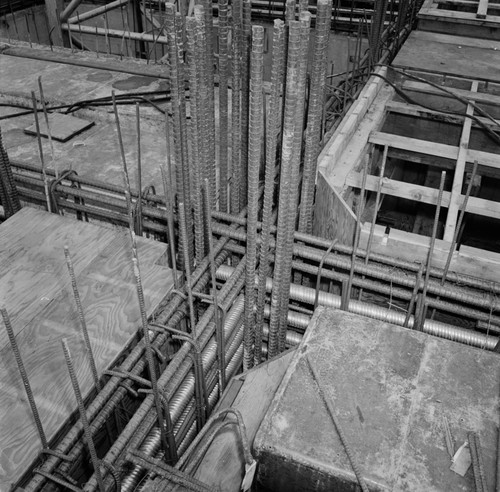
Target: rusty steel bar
[[291, 94], [305, 22], [267, 206], [255, 128], [223, 105], [314, 113]]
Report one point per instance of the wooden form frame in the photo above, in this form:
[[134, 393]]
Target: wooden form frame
[[463, 17], [341, 164]]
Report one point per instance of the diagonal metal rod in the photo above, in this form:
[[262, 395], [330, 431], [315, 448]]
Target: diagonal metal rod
[[423, 307], [149, 355], [83, 415], [49, 133], [40, 152], [139, 169], [219, 328], [81, 317], [24, 377]]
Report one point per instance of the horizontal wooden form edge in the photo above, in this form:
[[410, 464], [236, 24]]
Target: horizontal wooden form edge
[[459, 17], [413, 247], [478, 97], [433, 148], [424, 194]]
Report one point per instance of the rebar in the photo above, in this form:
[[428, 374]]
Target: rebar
[[24, 377], [223, 106], [196, 131], [293, 65], [431, 251], [139, 169], [314, 113], [255, 129], [236, 176], [278, 57], [46, 117], [149, 354], [83, 415], [305, 22], [219, 330], [81, 318], [477, 462]]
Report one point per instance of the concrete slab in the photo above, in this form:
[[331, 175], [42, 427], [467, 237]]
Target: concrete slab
[[391, 388]]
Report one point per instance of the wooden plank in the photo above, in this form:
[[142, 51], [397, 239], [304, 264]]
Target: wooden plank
[[434, 149], [458, 177], [425, 194], [421, 112], [478, 97], [414, 247], [107, 289], [63, 127], [482, 9], [223, 464]]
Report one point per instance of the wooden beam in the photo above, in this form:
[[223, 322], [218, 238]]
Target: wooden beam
[[115, 33], [458, 177], [478, 97], [482, 9], [73, 5], [421, 112], [96, 12], [424, 194], [433, 149], [54, 9]]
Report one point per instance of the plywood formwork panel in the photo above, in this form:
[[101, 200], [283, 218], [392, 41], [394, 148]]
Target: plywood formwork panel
[[35, 289]]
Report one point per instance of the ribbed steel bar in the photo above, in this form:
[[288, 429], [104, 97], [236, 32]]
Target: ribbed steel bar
[[195, 104], [179, 130], [291, 94], [12, 203], [236, 115], [219, 333], [255, 128], [267, 207], [24, 377], [106, 401], [223, 106], [315, 113], [293, 193], [40, 151], [174, 374], [289, 11], [83, 415], [431, 251], [246, 40], [81, 317], [139, 168]]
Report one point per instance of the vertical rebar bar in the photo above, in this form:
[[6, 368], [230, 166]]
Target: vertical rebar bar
[[187, 270], [314, 113], [255, 130], [420, 321], [305, 23], [246, 40], [139, 169], [267, 207], [83, 415], [179, 120], [40, 152], [219, 329], [195, 126], [291, 94], [46, 117], [223, 106], [235, 117], [24, 377], [149, 355], [81, 318]]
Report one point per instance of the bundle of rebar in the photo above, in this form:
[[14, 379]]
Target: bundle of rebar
[[9, 197]]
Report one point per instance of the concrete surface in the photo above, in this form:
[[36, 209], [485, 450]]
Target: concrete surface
[[390, 388]]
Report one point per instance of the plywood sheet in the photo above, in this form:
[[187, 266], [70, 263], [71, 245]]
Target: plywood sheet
[[35, 288]]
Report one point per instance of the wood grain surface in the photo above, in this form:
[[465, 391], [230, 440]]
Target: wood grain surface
[[35, 289]]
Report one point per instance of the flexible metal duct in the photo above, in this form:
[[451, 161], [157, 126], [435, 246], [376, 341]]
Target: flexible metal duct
[[436, 328]]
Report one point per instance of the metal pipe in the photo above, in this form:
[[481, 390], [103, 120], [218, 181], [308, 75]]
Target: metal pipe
[[96, 12], [308, 295]]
